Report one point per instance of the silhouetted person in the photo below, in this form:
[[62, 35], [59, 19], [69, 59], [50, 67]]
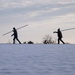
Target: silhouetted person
[[15, 36], [59, 36]]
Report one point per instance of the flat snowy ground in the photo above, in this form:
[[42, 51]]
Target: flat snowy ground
[[37, 59]]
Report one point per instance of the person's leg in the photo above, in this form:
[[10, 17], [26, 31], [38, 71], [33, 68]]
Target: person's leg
[[13, 40], [18, 40], [62, 41], [58, 41]]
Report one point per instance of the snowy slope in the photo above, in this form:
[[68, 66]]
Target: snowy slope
[[37, 59]]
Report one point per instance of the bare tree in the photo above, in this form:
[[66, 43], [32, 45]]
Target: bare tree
[[48, 40]]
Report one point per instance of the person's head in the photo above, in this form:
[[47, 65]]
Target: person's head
[[13, 28], [59, 29]]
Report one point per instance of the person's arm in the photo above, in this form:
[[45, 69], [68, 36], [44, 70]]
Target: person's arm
[[55, 32], [12, 34]]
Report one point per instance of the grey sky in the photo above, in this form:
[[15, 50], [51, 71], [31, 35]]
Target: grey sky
[[42, 16]]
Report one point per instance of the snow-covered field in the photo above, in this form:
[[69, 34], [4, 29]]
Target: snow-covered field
[[37, 59]]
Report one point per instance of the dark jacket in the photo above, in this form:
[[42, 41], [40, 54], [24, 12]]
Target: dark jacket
[[15, 33], [59, 34]]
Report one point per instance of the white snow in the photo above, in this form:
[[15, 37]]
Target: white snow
[[39, 59]]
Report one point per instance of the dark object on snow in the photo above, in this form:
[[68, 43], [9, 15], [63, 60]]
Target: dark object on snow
[[15, 36], [24, 42], [30, 42], [59, 36]]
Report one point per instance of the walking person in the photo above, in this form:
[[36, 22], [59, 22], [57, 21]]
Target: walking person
[[15, 36], [59, 33]]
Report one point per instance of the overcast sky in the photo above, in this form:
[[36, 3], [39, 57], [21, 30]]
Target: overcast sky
[[42, 16]]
